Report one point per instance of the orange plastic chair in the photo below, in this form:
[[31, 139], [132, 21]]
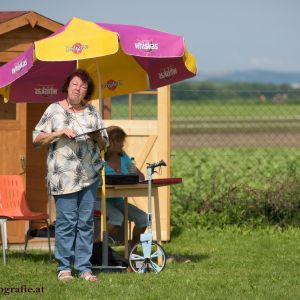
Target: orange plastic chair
[[13, 206]]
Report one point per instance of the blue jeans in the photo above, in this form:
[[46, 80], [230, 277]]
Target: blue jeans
[[74, 229]]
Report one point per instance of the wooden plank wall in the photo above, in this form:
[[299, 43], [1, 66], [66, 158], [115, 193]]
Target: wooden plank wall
[[16, 35], [15, 143], [15, 42], [12, 147], [149, 141], [36, 168]]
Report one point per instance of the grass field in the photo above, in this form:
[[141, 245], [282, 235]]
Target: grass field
[[229, 263], [196, 117], [218, 109], [232, 263]]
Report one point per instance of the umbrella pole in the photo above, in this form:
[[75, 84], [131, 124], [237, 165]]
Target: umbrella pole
[[99, 87], [104, 267], [104, 214], [103, 194]]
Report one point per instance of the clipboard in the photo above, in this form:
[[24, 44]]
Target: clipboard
[[88, 132]]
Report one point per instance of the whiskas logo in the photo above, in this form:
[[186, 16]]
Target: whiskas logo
[[112, 84], [77, 48], [167, 73], [19, 66], [146, 45], [45, 90]]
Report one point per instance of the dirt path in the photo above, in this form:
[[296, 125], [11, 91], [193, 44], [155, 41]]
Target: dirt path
[[274, 139]]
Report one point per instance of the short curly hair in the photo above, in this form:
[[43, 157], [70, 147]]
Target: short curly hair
[[85, 77]]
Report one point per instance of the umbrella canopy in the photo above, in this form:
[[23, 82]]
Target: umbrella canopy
[[121, 59]]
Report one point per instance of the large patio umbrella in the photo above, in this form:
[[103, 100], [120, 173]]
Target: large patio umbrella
[[121, 59]]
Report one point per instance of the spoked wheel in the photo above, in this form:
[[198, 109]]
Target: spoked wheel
[[141, 264]]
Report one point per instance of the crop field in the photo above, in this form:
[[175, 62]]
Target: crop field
[[224, 124], [241, 186], [226, 117], [250, 166]]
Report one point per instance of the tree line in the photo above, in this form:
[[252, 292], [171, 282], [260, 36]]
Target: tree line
[[226, 91]]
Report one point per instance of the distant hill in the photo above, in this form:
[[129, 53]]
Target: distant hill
[[261, 76]]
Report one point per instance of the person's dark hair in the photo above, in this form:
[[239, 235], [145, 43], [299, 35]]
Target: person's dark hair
[[115, 133], [85, 77]]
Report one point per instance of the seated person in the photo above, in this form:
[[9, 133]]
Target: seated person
[[118, 162]]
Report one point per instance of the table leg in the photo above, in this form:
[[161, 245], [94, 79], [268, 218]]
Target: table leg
[[157, 221], [126, 226], [157, 216], [101, 227]]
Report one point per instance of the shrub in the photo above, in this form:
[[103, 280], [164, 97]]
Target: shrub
[[222, 187]]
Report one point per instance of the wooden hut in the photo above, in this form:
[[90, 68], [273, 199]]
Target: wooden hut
[[18, 29], [148, 140]]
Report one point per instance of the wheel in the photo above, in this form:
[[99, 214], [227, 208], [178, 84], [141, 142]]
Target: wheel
[[141, 264]]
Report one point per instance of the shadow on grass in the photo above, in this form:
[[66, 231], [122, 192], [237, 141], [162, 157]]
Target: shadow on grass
[[30, 256], [180, 258]]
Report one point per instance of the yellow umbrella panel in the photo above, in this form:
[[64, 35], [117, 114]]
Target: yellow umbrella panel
[[80, 39], [117, 74]]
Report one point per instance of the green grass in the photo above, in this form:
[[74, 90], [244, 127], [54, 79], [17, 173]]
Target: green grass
[[186, 109], [195, 116], [233, 263], [189, 109]]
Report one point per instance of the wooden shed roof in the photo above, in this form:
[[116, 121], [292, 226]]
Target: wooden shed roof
[[8, 15], [18, 29], [10, 20]]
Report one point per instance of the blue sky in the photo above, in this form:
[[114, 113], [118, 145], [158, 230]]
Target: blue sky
[[223, 35]]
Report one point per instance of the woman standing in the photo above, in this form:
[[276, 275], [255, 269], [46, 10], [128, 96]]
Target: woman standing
[[73, 166]]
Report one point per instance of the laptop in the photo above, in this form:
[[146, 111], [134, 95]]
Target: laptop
[[121, 179]]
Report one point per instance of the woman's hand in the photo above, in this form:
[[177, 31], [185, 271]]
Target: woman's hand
[[44, 138], [64, 132]]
